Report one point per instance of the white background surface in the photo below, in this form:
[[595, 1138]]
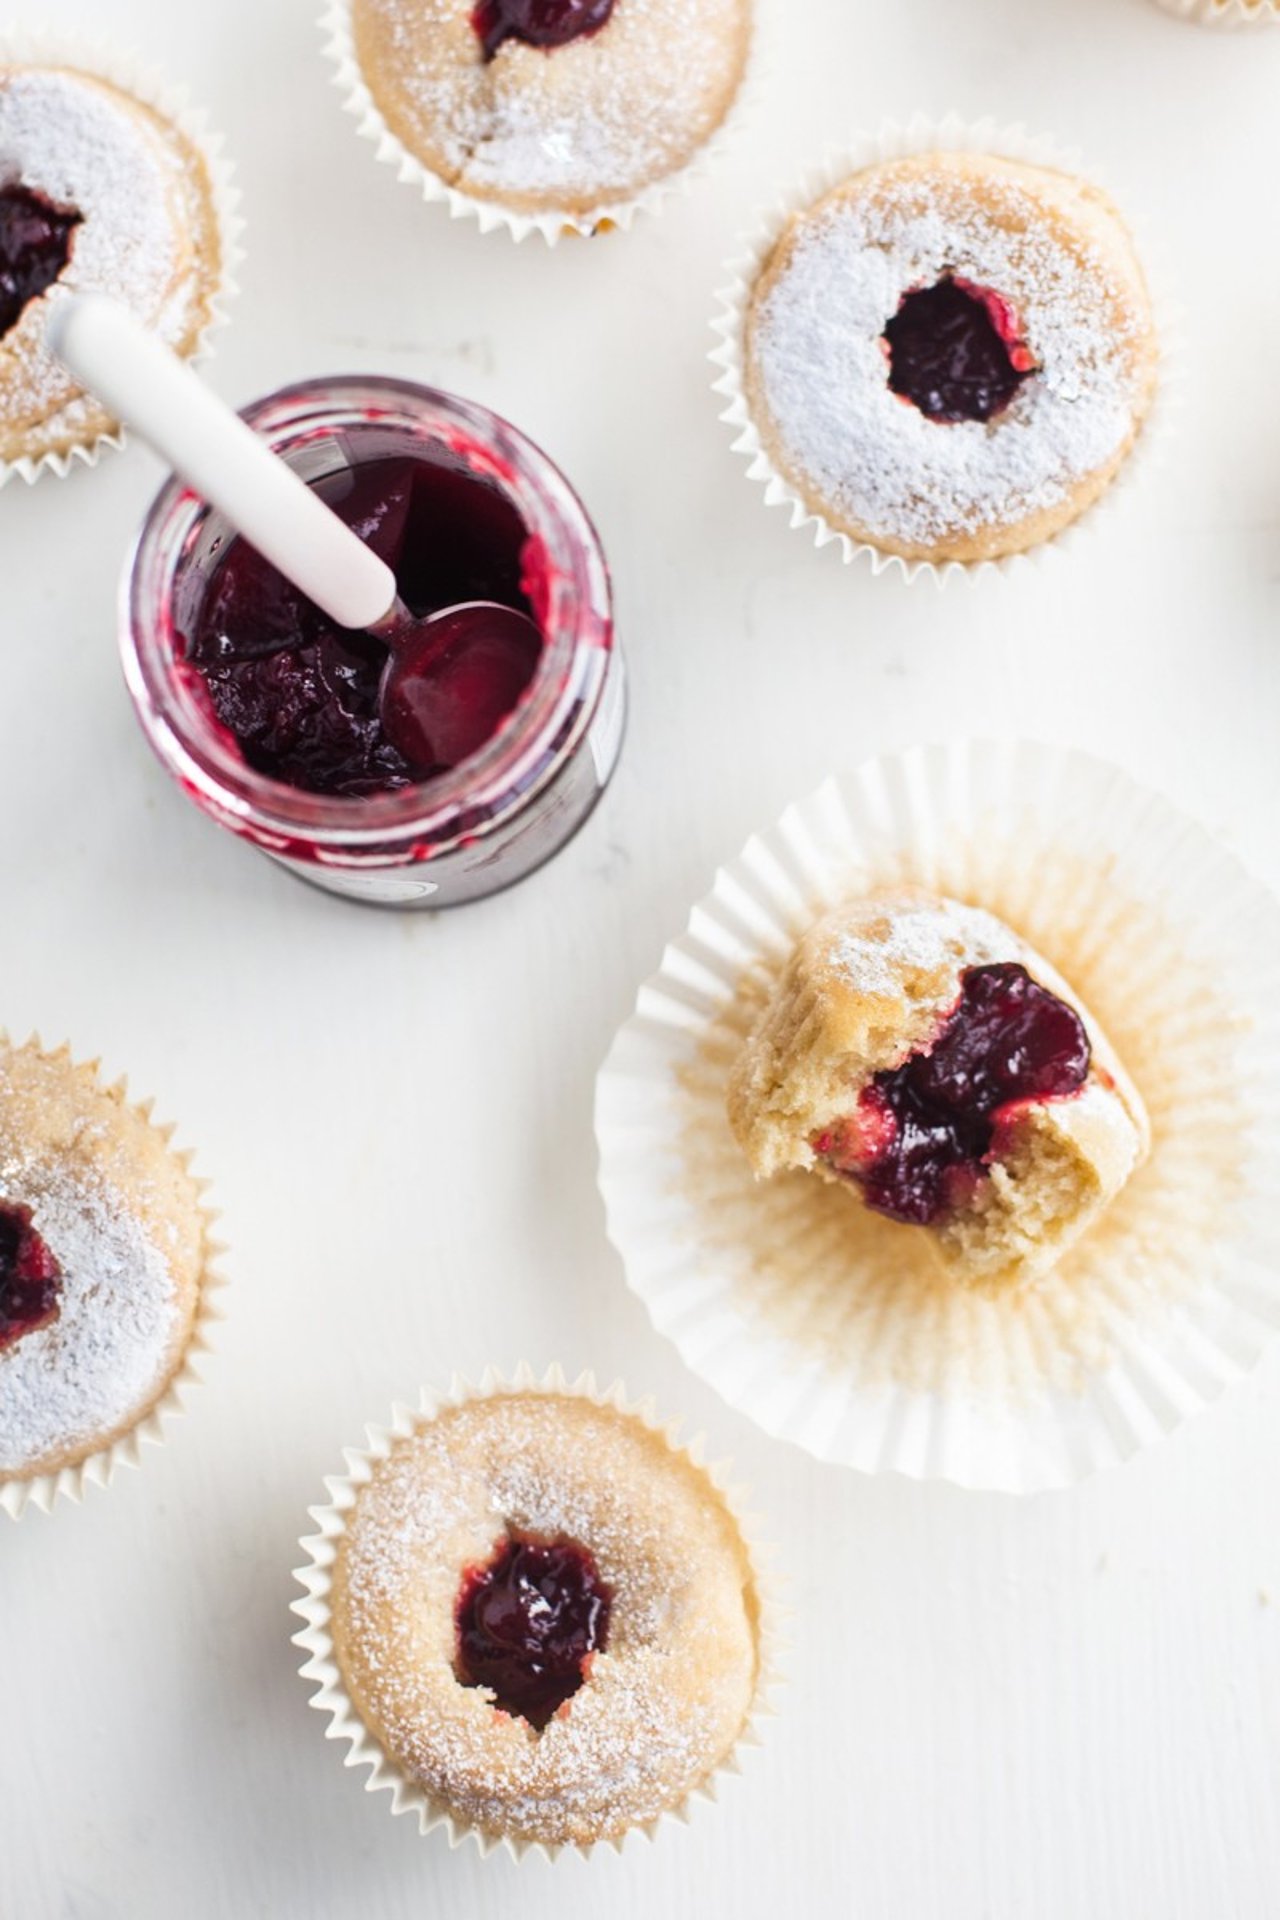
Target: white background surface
[[1062, 1708]]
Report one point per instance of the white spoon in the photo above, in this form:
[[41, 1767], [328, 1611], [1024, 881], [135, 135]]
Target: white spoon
[[159, 397]]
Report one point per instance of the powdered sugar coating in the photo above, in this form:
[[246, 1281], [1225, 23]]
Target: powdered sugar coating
[[145, 235], [924, 935], [571, 128], [120, 1213], [872, 462], [662, 1703]]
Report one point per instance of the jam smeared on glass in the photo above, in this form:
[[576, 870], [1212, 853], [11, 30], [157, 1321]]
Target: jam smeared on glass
[[35, 245], [528, 1624], [539, 23], [955, 351], [300, 694], [922, 1131], [30, 1277]]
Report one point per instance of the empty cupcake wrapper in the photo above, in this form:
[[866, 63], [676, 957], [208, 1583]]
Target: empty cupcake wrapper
[[90, 56], [1224, 13], [330, 1695], [920, 135], [98, 1469], [491, 215], [830, 1327]]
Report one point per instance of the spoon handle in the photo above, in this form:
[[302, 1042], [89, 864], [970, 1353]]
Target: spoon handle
[[159, 397]]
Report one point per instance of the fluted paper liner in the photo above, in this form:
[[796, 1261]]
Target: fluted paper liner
[[1224, 13], [99, 1468], [830, 1326], [330, 1695], [491, 215], [920, 135], [89, 55]]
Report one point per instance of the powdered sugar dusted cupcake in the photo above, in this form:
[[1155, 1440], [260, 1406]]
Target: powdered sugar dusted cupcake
[[949, 356], [104, 1256], [920, 1055], [99, 191], [571, 108], [543, 1613]]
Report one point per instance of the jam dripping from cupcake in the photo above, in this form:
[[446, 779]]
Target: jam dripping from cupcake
[[528, 1624], [539, 23], [922, 1132], [35, 246], [30, 1277], [955, 351], [299, 694]]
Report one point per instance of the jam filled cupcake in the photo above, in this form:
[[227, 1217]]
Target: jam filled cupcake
[[562, 113], [543, 1613], [919, 1054], [104, 1272], [102, 192], [949, 356]]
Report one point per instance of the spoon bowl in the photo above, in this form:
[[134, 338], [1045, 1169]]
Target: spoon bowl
[[451, 680]]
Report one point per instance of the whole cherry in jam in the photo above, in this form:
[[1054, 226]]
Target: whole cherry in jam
[[539, 23], [300, 695], [30, 1277], [955, 352], [528, 1624], [922, 1131], [35, 246]]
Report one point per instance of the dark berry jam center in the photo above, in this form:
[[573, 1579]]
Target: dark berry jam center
[[35, 245], [528, 1624], [30, 1277], [300, 694], [955, 351], [922, 1132], [539, 23]]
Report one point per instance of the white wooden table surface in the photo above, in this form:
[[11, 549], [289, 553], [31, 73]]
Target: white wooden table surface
[[1053, 1710]]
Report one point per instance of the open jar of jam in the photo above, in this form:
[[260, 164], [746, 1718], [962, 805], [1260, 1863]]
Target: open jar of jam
[[267, 713]]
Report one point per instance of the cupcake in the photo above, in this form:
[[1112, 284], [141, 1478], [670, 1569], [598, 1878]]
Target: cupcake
[[944, 1140], [1224, 13], [920, 1056], [563, 112], [949, 356], [543, 1614], [104, 1268], [99, 192]]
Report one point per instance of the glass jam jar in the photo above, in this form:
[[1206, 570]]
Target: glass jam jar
[[475, 828]]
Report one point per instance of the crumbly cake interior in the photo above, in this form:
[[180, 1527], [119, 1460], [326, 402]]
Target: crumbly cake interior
[[121, 1214], [147, 236], [1055, 251], [662, 1704], [571, 128], [865, 989]]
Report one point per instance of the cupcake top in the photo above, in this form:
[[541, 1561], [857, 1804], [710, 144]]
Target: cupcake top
[[546, 1615], [567, 105], [98, 193], [921, 1055], [949, 356], [102, 1250]]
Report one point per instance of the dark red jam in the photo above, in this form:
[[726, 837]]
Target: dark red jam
[[539, 23], [35, 245], [955, 351], [528, 1624], [300, 695], [922, 1132], [30, 1277]]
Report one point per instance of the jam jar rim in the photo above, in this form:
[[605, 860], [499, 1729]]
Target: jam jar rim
[[474, 798]]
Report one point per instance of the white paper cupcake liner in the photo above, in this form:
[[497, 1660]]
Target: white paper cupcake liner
[[99, 1469], [491, 215], [830, 1327], [86, 54], [330, 1695], [1224, 13], [896, 142]]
